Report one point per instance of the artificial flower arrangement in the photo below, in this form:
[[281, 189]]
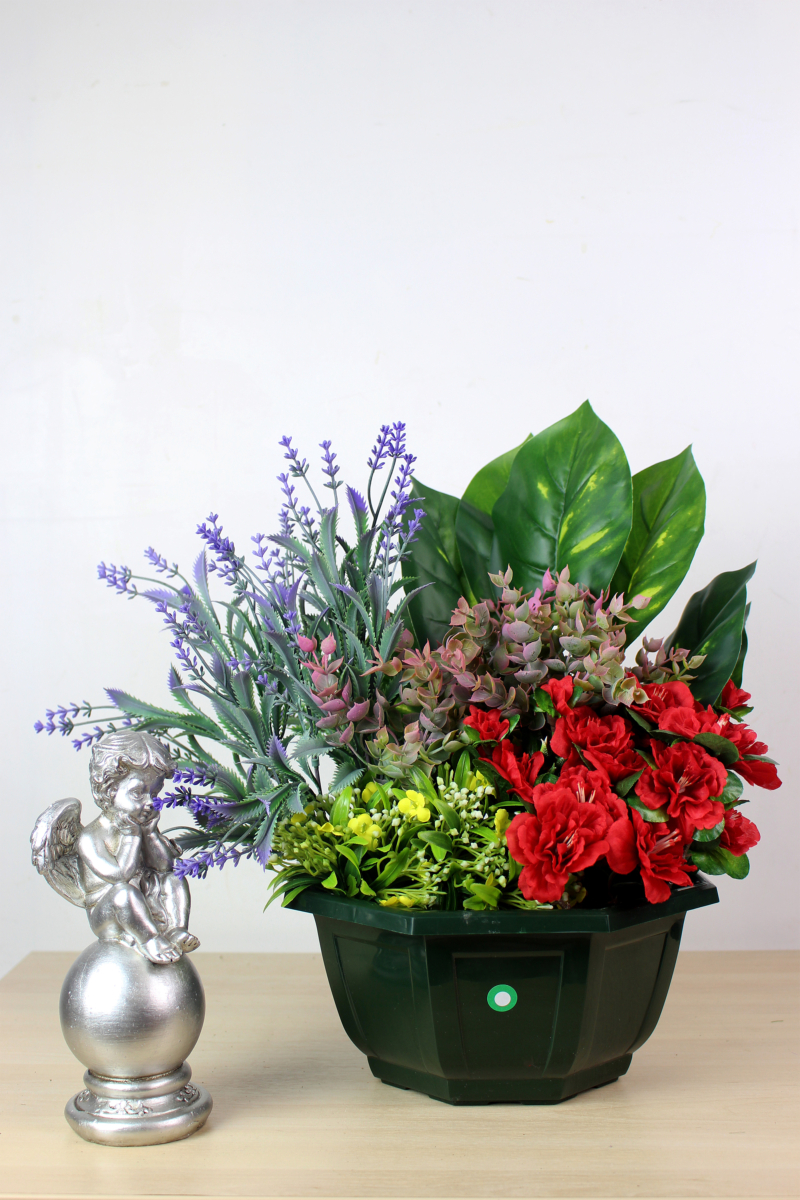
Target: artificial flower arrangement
[[424, 702]]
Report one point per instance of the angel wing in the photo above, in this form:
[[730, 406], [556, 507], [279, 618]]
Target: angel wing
[[53, 849]]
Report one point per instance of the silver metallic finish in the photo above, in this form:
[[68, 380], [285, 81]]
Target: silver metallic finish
[[132, 1005], [139, 1112]]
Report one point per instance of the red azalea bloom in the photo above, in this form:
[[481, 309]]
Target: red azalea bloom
[[489, 726], [684, 782], [655, 848], [560, 692], [733, 697], [672, 707], [590, 787], [690, 721], [562, 837], [759, 774], [739, 834], [520, 773], [664, 696], [605, 742]]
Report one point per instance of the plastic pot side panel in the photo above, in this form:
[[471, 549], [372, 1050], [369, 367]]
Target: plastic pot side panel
[[473, 1015]]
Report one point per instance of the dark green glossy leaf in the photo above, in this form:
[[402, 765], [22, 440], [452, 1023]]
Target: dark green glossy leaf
[[638, 719], [669, 507], [720, 747], [625, 785], [477, 545], [567, 503], [433, 559], [732, 790], [649, 814], [736, 673], [709, 835], [719, 861], [712, 624], [478, 549]]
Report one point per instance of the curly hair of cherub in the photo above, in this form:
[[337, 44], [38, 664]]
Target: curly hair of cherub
[[117, 754]]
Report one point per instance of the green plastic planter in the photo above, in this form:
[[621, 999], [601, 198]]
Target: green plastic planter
[[482, 1008]]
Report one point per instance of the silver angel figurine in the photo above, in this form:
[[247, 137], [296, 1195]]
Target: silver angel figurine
[[132, 1005], [119, 867]]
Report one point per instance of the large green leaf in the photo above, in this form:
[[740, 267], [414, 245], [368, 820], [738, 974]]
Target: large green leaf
[[567, 503], [478, 550], [712, 624], [477, 543], [486, 488], [433, 559], [736, 673], [669, 506]]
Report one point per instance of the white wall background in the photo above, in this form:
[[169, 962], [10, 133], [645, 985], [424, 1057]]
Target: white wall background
[[223, 220]]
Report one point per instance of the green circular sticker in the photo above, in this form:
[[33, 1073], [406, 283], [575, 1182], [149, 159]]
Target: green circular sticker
[[502, 998]]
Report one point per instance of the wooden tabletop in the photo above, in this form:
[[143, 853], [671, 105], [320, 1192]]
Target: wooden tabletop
[[708, 1108]]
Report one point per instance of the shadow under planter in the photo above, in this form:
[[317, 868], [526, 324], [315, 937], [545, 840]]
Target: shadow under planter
[[503, 1007]]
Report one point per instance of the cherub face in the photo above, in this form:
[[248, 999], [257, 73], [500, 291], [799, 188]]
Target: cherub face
[[134, 795]]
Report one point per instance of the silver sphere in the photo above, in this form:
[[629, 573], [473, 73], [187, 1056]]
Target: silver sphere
[[123, 1016]]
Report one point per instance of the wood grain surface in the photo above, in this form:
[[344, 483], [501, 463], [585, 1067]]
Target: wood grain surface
[[708, 1108]]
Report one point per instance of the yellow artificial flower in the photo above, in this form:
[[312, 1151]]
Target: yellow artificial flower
[[414, 804], [299, 818], [475, 781], [369, 791], [363, 826], [326, 828], [398, 901], [501, 822]]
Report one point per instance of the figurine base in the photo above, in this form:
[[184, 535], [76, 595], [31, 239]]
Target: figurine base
[[139, 1112]]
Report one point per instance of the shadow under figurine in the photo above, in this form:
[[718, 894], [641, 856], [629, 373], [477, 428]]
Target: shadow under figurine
[[132, 1005]]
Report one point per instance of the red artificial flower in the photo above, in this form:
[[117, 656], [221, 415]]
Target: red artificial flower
[[656, 849], [605, 742], [520, 773], [672, 707], [560, 692], [733, 697], [689, 721], [590, 787], [759, 774], [663, 696], [685, 781], [489, 726], [739, 834], [562, 837]]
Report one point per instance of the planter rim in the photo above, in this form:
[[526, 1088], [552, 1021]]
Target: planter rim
[[442, 924]]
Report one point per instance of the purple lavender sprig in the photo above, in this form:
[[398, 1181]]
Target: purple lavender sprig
[[394, 540], [64, 720], [330, 468], [390, 446], [183, 797], [118, 578], [227, 564], [198, 866], [160, 563]]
